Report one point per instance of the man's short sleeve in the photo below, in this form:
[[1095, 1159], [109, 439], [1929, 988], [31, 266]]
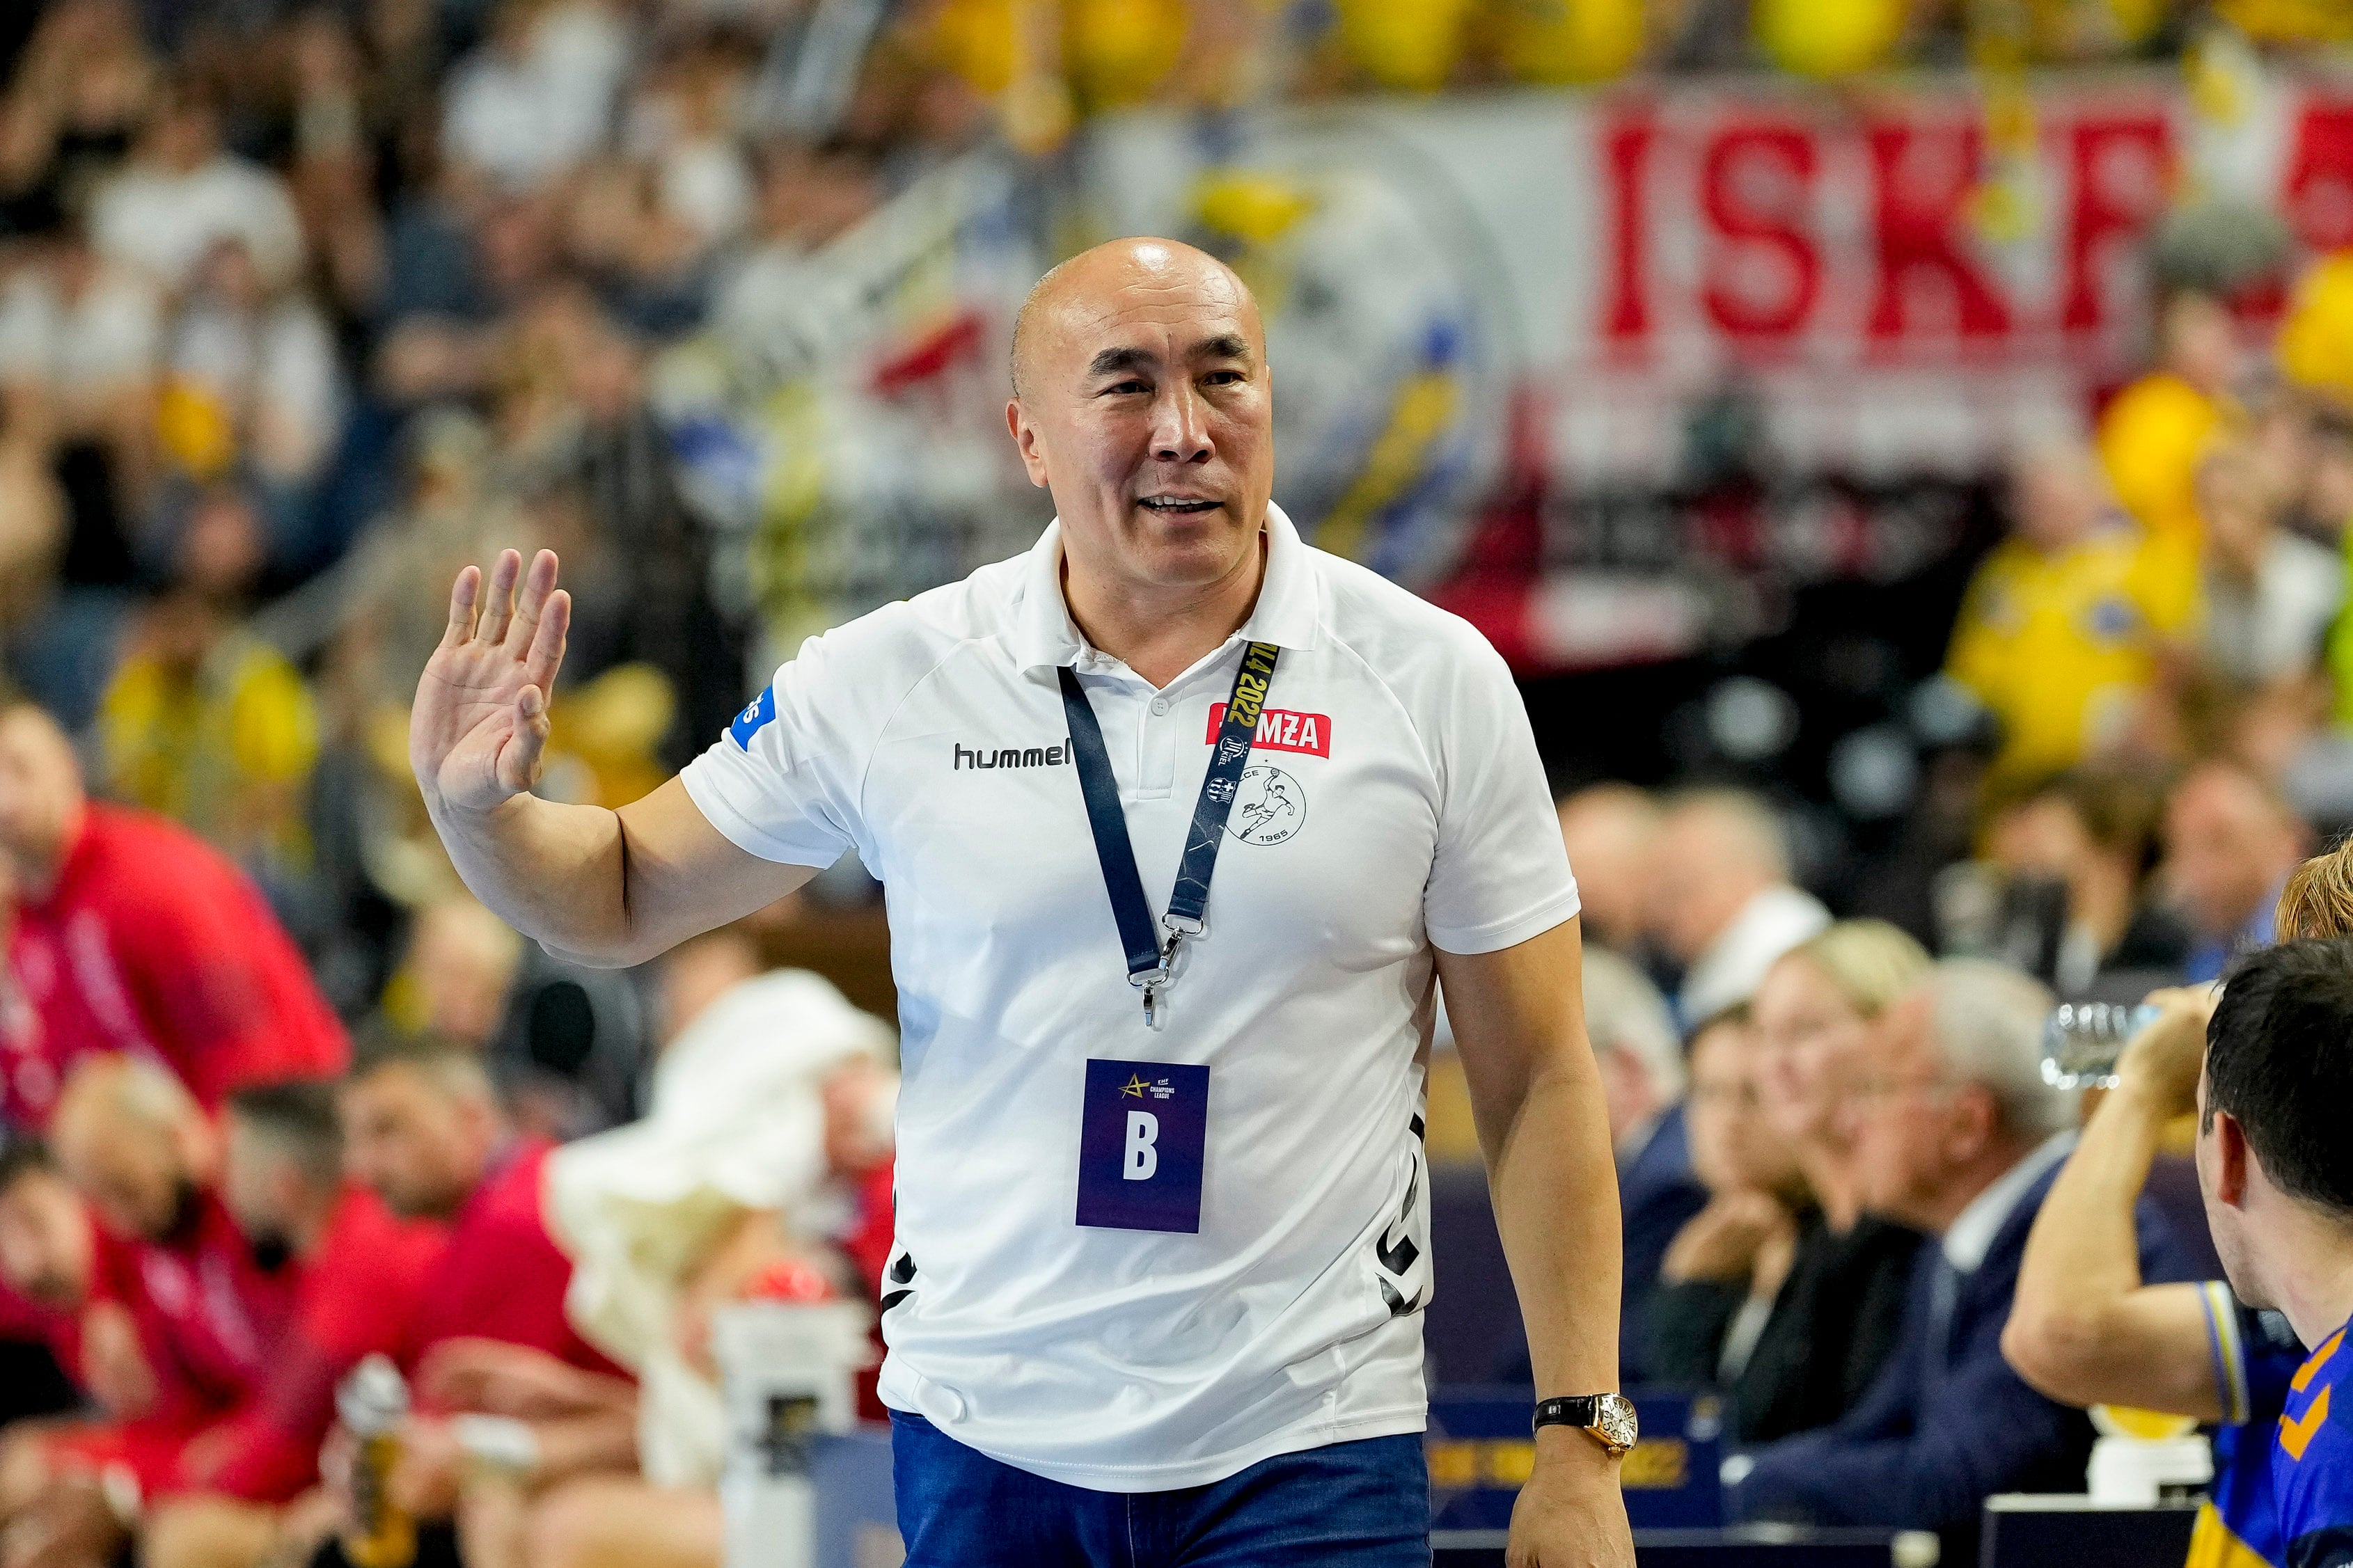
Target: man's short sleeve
[[1500, 874], [782, 782]]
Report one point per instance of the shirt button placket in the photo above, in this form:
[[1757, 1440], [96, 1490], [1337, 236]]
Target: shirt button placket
[[1159, 751]]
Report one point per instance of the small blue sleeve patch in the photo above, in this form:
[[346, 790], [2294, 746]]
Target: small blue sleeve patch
[[762, 711]]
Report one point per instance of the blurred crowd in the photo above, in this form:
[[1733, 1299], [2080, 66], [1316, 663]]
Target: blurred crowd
[[303, 305]]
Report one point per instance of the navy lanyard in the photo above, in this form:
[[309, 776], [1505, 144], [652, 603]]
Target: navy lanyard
[[1150, 960]]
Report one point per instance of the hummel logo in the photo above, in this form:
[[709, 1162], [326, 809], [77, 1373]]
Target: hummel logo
[[1013, 756]]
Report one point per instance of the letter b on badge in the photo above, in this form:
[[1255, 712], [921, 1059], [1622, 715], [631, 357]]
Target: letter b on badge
[[1141, 1137], [1142, 1159]]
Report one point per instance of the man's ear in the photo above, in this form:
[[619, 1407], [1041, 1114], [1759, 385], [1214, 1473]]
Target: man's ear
[[1025, 441], [2234, 1161], [1974, 1121]]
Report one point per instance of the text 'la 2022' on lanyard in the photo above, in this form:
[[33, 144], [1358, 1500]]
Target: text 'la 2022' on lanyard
[[1151, 959], [1144, 1125]]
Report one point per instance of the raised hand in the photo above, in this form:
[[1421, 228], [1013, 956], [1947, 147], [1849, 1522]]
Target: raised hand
[[478, 731]]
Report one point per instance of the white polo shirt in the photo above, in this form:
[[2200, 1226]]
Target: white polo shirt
[[1394, 802]]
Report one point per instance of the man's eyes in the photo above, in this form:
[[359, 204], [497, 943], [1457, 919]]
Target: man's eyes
[[1132, 386]]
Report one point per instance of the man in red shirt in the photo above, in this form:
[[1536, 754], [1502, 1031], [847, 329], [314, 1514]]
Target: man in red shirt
[[50, 1261], [132, 1139], [362, 1274], [133, 935], [209, 1309], [424, 1127]]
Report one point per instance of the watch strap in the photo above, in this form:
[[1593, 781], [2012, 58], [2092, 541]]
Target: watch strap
[[1579, 1410]]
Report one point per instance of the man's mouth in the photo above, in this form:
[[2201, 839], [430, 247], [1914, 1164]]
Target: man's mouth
[[1178, 506]]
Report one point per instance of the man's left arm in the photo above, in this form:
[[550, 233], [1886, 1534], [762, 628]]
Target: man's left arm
[[1518, 1016]]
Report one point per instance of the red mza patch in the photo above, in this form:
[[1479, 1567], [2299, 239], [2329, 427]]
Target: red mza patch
[[1281, 730]]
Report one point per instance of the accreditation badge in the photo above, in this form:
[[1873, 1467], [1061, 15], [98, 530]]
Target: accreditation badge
[[1140, 1140]]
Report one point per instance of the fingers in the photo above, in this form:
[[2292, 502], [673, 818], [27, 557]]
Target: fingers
[[498, 609], [546, 654], [465, 604], [537, 585], [519, 759]]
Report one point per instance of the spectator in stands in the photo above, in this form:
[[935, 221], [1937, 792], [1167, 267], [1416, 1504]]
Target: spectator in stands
[[2276, 1171], [1957, 1134], [2095, 831], [361, 1276], [2067, 625], [1720, 898], [1609, 829], [1849, 1270], [2230, 844], [564, 1045], [79, 341], [1642, 1082], [85, 81], [182, 194], [206, 723], [1719, 1280], [58, 1341], [2271, 593], [252, 381], [2318, 898], [133, 935], [424, 1127], [537, 98], [2154, 433], [209, 1307]]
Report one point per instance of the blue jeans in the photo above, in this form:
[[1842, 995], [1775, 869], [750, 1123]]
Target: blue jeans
[[1349, 1505]]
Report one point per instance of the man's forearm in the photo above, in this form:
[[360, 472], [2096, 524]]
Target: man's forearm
[[552, 871], [575, 1445], [2082, 1327], [2084, 1251], [1556, 1196]]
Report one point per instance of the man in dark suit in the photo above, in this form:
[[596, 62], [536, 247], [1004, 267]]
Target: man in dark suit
[[1643, 1079], [1957, 1136]]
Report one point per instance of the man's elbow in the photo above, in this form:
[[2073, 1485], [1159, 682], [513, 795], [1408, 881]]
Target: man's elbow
[[2060, 1353], [621, 953]]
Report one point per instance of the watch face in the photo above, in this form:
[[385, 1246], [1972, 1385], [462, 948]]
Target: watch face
[[1614, 1420]]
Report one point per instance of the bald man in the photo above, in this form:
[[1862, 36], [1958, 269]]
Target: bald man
[[210, 1310], [1608, 829], [133, 935], [1162, 1218], [1721, 900]]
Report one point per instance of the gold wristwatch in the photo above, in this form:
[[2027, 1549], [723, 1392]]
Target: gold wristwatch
[[1607, 1418]]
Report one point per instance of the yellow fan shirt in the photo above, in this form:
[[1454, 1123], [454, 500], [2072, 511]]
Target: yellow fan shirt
[[2061, 647]]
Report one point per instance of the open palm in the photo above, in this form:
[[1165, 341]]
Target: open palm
[[479, 728]]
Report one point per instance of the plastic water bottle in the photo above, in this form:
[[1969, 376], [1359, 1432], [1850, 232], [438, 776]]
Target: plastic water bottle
[[2082, 1040], [373, 1402]]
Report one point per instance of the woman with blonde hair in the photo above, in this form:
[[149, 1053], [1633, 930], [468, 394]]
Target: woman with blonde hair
[[1837, 1304]]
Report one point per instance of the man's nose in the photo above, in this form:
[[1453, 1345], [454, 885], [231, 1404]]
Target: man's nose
[[1180, 426]]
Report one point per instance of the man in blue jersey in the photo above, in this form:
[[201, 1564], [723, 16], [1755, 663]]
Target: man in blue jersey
[[2276, 1168], [2086, 1328]]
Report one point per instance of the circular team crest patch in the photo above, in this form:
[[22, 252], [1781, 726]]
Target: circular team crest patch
[[1268, 808]]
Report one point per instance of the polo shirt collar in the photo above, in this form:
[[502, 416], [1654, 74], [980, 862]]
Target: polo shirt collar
[[1287, 613]]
